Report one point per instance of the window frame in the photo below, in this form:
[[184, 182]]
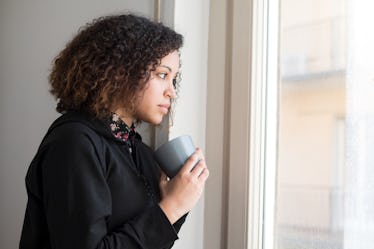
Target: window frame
[[253, 124]]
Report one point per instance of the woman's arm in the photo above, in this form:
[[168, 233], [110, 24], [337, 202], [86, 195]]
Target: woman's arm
[[77, 203]]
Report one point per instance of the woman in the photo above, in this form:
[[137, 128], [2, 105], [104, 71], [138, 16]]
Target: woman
[[93, 183]]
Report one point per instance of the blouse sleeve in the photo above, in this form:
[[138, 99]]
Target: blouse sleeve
[[77, 203]]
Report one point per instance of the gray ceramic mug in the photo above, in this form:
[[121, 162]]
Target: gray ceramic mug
[[172, 155]]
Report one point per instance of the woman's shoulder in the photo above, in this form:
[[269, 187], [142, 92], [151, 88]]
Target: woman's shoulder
[[73, 127]]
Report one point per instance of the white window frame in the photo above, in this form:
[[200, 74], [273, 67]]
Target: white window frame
[[253, 124]]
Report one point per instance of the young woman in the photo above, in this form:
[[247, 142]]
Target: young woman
[[93, 183]]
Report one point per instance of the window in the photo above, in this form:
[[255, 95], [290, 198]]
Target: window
[[323, 176], [300, 167]]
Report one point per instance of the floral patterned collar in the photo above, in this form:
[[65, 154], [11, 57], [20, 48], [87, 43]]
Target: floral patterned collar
[[120, 130]]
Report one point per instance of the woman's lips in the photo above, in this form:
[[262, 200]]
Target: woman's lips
[[165, 108]]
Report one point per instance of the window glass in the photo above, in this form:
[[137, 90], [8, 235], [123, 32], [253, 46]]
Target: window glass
[[325, 186]]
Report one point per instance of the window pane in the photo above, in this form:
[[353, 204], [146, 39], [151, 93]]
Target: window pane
[[325, 186]]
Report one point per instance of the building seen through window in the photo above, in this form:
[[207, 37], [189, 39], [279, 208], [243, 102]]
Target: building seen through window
[[324, 176]]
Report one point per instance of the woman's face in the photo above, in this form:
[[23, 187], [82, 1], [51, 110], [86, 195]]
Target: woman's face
[[154, 102]]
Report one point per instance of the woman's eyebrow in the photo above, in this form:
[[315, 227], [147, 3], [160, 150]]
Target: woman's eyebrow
[[166, 67]]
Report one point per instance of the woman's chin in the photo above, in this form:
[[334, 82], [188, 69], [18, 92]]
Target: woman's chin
[[154, 121]]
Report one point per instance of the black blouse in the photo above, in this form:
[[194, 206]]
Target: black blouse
[[85, 191]]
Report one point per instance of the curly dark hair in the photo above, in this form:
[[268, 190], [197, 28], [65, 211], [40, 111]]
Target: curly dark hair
[[109, 62]]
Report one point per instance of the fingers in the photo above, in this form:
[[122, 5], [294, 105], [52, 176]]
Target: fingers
[[195, 167], [199, 169], [204, 175], [163, 177], [193, 161], [199, 153]]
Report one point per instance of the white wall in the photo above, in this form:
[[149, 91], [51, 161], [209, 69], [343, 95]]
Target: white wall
[[191, 18]]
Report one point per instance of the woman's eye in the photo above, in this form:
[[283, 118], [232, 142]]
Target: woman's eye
[[162, 75]]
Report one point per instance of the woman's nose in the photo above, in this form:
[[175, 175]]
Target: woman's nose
[[170, 91]]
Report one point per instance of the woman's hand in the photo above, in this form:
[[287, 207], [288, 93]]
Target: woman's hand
[[182, 192]]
